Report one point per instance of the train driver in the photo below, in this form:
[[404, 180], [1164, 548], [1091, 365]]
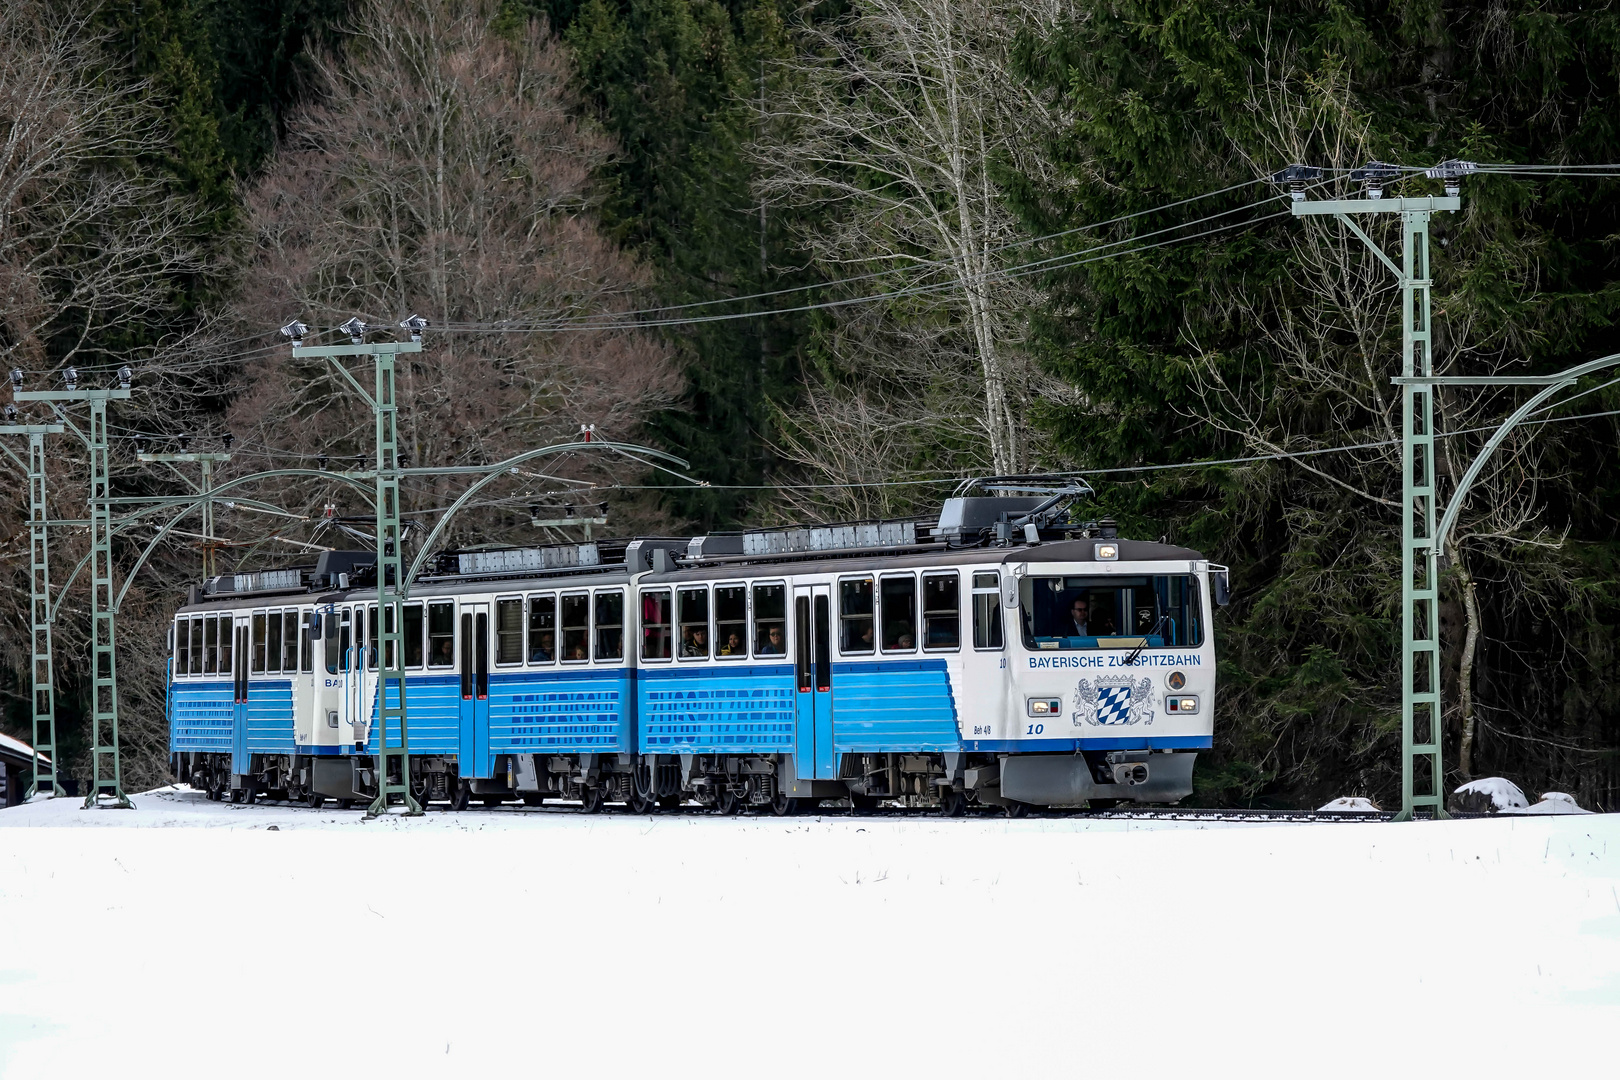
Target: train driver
[[1079, 618]]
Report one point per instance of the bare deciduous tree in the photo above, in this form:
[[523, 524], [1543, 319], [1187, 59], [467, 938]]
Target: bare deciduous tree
[[896, 119], [442, 173], [94, 245]]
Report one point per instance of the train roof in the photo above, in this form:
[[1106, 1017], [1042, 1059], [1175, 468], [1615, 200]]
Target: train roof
[[968, 531]]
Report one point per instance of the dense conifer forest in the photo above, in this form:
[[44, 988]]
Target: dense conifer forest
[[970, 237]]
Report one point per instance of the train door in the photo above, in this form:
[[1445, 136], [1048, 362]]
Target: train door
[[359, 684], [814, 758], [239, 695], [475, 691]]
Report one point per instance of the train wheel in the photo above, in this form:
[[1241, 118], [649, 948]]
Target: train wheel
[[1017, 809], [315, 800], [643, 792], [248, 796], [784, 806], [461, 796], [727, 802], [345, 804], [590, 800], [952, 804]]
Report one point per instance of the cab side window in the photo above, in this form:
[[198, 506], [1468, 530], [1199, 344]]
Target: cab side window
[[986, 611], [942, 611]]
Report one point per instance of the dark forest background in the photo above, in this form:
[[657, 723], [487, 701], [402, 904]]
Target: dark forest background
[[695, 129]]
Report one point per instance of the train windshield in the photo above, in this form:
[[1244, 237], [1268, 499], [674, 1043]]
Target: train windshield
[[1161, 611]]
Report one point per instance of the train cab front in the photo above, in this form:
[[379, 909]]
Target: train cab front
[[1111, 671]]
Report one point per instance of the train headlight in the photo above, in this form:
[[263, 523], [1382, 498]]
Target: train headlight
[[1181, 705], [1105, 552], [1044, 707]]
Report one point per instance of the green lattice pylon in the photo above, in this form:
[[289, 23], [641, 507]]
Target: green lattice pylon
[[1420, 581], [393, 750], [41, 667], [106, 762]]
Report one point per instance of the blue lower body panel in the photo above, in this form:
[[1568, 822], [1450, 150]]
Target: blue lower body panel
[[716, 709], [562, 712], [201, 717], [893, 706], [434, 702]]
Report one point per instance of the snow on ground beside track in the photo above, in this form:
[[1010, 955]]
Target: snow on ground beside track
[[189, 936]]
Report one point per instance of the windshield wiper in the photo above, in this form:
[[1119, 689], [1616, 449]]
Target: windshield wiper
[[1134, 654]]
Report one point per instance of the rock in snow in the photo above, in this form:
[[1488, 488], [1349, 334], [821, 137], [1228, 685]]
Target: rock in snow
[[1491, 795], [1552, 802], [1350, 804]]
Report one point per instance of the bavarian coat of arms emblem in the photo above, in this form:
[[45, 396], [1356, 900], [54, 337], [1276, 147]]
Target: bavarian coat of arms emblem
[[1113, 701]]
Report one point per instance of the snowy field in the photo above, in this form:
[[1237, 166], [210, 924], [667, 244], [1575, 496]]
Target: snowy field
[[190, 937]]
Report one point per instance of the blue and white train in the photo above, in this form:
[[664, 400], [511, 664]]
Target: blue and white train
[[1001, 656]]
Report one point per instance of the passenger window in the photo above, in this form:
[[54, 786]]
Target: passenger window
[[289, 642], [371, 637], [986, 611], [576, 628], [770, 620], [309, 629], [211, 645], [508, 631], [610, 625], [413, 635], [694, 612], [227, 628], [731, 620], [442, 635], [182, 646], [196, 646], [273, 642], [655, 620], [258, 643], [855, 615], [542, 629], [898, 606], [942, 611]]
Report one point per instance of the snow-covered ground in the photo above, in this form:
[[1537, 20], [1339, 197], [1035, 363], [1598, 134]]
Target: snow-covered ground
[[190, 937]]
